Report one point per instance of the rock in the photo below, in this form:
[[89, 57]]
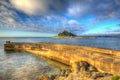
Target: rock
[[66, 33], [88, 74], [76, 67], [105, 78], [83, 66], [44, 77], [65, 72], [92, 69], [83, 63], [62, 72], [80, 66], [52, 77], [82, 71], [99, 75]]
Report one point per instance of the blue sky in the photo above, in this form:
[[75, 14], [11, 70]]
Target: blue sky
[[35, 18], [17, 33]]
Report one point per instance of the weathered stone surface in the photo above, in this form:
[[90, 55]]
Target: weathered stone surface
[[65, 72], [44, 77], [89, 72], [105, 78], [99, 75], [52, 77], [103, 59], [92, 69]]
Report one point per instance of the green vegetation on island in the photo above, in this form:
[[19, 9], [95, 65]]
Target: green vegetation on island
[[65, 34]]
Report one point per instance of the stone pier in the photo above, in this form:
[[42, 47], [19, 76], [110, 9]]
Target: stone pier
[[105, 60]]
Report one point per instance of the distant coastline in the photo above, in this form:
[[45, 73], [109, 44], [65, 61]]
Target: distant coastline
[[74, 36], [83, 36], [66, 34]]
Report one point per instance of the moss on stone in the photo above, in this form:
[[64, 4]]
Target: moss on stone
[[116, 77]]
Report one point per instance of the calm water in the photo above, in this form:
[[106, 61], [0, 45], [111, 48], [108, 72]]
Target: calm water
[[25, 66]]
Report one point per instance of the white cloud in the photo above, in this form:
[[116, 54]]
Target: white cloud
[[39, 7], [10, 20], [30, 7], [73, 22]]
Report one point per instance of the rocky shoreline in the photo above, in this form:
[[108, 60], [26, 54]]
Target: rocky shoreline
[[80, 71]]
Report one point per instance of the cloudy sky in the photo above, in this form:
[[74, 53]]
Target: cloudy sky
[[48, 17]]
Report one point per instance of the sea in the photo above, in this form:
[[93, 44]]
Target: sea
[[26, 66]]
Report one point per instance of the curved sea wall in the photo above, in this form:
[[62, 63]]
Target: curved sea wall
[[105, 60]]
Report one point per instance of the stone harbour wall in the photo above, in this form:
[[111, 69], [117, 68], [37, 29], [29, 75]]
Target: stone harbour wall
[[105, 60]]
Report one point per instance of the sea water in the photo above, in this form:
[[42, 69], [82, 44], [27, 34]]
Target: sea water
[[26, 66]]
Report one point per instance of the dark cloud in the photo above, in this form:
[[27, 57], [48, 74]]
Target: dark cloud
[[104, 9], [78, 8]]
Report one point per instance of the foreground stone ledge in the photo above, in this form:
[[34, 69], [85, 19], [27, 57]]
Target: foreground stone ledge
[[105, 60]]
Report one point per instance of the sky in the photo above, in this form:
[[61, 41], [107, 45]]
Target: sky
[[44, 18]]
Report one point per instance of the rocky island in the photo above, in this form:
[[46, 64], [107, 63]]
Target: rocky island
[[88, 63], [65, 34]]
